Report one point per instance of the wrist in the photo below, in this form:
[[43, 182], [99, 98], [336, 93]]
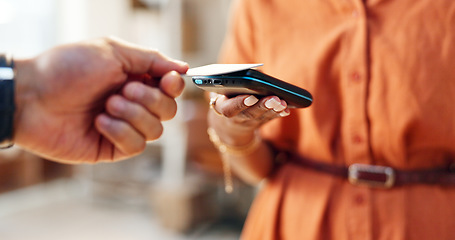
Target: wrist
[[231, 133], [244, 149], [23, 91]]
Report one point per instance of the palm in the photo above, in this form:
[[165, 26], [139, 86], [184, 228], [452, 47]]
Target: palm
[[68, 105]]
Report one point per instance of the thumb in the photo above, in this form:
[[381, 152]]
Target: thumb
[[139, 60]]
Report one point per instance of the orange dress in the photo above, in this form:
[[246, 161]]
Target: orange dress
[[382, 74]]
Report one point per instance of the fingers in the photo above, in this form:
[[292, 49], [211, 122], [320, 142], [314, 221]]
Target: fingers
[[231, 107], [172, 84], [139, 60], [143, 121], [249, 107], [155, 101], [121, 134], [135, 116], [277, 105]]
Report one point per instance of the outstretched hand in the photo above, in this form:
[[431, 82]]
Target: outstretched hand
[[236, 119], [94, 101]]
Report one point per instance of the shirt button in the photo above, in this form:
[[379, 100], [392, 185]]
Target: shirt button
[[359, 199], [355, 76], [357, 139]]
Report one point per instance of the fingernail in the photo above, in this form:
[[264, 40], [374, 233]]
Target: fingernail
[[279, 108], [285, 113], [271, 103], [250, 101]]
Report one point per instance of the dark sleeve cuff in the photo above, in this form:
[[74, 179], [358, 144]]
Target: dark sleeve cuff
[[7, 105]]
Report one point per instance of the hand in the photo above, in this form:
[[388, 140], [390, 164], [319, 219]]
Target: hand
[[237, 118], [94, 101]]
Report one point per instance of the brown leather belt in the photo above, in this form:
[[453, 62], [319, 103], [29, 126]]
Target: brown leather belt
[[381, 176]]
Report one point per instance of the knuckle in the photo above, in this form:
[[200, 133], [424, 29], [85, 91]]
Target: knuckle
[[130, 90], [110, 39], [136, 113], [114, 104], [231, 110], [154, 99], [119, 129], [156, 96], [270, 115], [227, 112], [263, 108], [248, 115], [154, 51]]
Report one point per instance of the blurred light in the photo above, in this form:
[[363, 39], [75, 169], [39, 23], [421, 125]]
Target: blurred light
[[6, 12]]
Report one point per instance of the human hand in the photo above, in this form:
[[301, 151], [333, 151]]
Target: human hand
[[236, 119], [94, 101]]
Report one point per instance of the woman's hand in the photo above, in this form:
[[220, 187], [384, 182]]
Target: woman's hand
[[235, 122], [236, 119]]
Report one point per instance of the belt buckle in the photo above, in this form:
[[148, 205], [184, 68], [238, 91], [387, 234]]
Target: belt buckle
[[373, 176]]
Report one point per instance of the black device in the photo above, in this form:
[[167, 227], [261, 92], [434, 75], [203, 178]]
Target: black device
[[254, 82]]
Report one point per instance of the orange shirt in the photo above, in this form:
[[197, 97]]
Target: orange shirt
[[382, 74]]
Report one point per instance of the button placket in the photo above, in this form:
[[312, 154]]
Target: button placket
[[359, 227], [355, 77], [357, 139], [355, 115], [356, 85]]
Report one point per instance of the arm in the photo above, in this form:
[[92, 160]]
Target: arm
[[236, 125], [243, 115]]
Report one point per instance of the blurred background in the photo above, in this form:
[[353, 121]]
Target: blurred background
[[175, 189]]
